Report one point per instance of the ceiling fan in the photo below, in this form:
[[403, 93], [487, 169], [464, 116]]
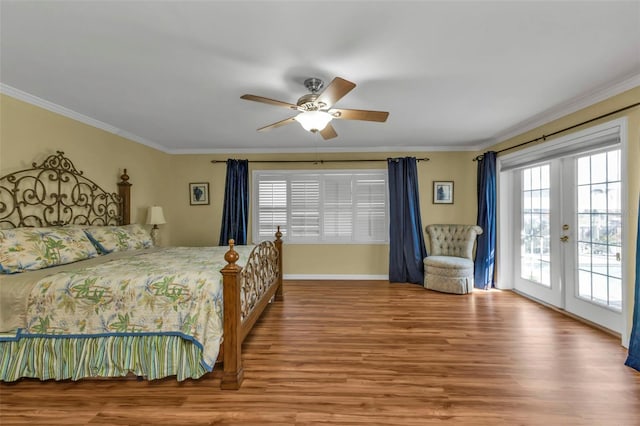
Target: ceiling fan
[[316, 108]]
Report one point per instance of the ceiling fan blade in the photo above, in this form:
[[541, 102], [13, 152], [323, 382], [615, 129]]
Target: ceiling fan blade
[[359, 114], [328, 132], [268, 101], [277, 124], [335, 91]]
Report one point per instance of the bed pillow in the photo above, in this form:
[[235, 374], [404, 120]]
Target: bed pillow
[[28, 249], [109, 239], [141, 233]]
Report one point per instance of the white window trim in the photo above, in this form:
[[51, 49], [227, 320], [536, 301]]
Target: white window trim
[[255, 209]]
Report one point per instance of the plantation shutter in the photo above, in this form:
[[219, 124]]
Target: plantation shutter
[[330, 206], [338, 207], [272, 202], [371, 208], [305, 207]]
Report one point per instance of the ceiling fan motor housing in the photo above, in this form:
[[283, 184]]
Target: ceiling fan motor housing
[[308, 101], [313, 84]]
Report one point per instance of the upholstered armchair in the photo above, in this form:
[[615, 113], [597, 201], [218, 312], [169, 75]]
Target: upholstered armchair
[[449, 266]]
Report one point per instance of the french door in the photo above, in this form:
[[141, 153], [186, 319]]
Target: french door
[[567, 235]]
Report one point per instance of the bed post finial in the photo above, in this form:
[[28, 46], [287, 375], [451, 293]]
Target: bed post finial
[[124, 191], [231, 256], [124, 177]]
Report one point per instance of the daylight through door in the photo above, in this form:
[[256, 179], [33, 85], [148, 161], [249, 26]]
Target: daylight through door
[[570, 234]]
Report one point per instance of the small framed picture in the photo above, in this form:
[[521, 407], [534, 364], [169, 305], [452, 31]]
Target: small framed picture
[[442, 192], [199, 193]]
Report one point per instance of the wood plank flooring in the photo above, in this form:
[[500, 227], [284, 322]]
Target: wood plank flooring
[[370, 352]]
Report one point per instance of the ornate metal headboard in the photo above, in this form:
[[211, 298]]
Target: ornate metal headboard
[[55, 193]]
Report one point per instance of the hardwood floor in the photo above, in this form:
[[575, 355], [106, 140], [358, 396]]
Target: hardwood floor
[[370, 352]]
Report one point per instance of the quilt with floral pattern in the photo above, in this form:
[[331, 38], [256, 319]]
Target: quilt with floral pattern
[[174, 291]]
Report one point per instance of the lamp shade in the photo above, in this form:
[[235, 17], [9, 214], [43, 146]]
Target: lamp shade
[[313, 120], [155, 216]]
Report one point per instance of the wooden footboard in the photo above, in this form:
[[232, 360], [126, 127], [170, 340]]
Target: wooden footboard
[[247, 293]]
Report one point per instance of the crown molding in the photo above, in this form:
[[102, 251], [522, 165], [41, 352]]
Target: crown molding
[[561, 110], [565, 108], [316, 150], [58, 109]]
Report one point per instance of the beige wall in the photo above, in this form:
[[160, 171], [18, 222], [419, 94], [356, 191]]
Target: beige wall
[[200, 225], [29, 133], [622, 100]]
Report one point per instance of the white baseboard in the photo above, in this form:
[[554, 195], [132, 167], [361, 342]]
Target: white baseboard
[[334, 277]]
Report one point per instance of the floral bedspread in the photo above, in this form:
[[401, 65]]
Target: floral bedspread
[[176, 291]]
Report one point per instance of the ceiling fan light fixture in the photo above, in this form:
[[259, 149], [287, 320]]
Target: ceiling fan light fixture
[[313, 121], [316, 108]]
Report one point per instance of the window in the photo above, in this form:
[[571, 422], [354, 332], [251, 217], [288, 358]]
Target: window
[[599, 233], [336, 206], [535, 245]]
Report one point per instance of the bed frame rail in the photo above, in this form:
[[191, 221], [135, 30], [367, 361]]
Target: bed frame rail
[[247, 292]]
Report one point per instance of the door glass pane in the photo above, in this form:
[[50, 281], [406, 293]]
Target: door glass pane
[[598, 197], [584, 170], [584, 199], [614, 229], [535, 178], [599, 235], [535, 255], [614, 194], [544, 224], [613, 165], [526, 179], [545, 273], [615, 293], [527, 224], [599, 168], [526, 198], [544, 200], [544, 177], [584, 284], [599, 285]]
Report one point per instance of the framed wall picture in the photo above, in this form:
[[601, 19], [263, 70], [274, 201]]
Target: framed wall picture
[[199, 193], [442, 192]]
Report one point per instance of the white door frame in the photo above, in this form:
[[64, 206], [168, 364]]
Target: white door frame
[[553, 295], [507, 213]]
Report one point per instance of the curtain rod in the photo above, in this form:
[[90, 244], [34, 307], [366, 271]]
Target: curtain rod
[[544, 137], [312, 161]]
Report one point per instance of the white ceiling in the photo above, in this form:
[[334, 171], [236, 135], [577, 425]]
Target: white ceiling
[[453, 75]]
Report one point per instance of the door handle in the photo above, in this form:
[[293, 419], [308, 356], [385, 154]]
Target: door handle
[[564, 238]]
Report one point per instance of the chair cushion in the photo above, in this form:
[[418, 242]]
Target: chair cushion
[[461, 285], [448, 274], [448, 262]]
